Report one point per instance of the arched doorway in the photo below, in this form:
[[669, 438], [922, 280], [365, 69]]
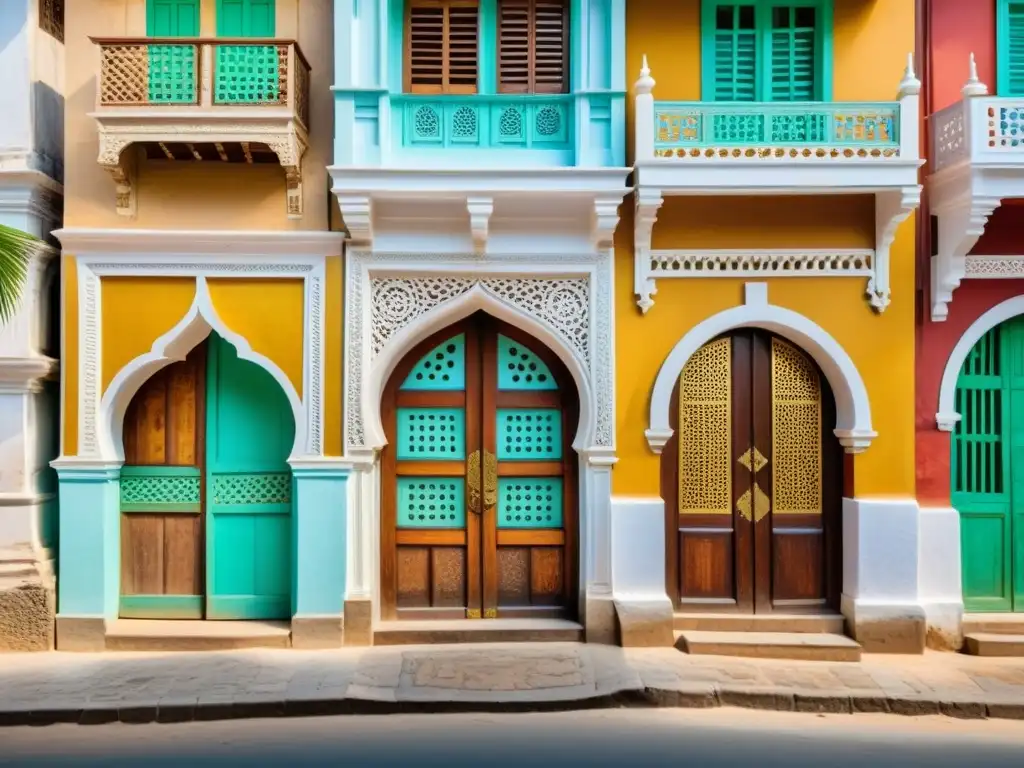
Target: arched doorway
[[752, 480], [987, 469], [206, 492], [478, 478]]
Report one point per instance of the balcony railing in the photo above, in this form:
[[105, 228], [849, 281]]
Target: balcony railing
[[204, 73], [691, 129], [978, 129], [486, 121]]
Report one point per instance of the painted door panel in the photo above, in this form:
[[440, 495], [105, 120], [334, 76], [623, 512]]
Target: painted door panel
[[755, 492], [161, 494], [478, 505], [250, 431]]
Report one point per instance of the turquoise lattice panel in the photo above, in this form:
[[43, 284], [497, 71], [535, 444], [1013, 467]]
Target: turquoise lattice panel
[[172, 74], [431, 502], [159, 491], [1011, 127], [529, 434], [465, 125], [520, 368], [740, 128], [799, 128], [426, 123], [530, 502], [431, 433], [257, 488], [442, 368], [247, 74]]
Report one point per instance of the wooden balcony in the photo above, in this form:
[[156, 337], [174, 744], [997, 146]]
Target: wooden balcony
[[198, 99]]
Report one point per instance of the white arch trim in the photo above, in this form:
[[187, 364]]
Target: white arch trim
[[947, 417], [853, 409], [172, 347], [444, 315]]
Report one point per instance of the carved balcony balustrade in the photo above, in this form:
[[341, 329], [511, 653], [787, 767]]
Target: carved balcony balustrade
[[976, 162], [219, 100]]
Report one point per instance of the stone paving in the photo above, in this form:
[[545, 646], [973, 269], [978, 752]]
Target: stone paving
[[137, 687]]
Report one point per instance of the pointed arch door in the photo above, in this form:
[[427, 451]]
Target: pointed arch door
[[478, 501], [752, 480]]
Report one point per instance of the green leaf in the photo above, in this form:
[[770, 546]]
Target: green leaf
[[16, 250]]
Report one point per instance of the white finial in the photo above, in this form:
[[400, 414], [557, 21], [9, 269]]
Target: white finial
[[910, 85], [646, 83], [974, 86]]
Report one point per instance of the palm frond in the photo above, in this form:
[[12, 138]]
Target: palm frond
[[16, 250]]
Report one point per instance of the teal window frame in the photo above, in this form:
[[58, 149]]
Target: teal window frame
[[762, 26], [1003, 48]]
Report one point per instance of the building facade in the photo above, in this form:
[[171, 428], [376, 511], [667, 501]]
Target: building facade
[[970, 264], [31, 175]]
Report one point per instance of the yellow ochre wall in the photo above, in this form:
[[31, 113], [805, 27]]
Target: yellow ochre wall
[[180, 195], [871, 42]]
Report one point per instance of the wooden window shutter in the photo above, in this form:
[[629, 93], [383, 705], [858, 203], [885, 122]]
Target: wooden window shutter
[[441, 46], [734, 39], [793, 55], [533, 46], [1013, 41]]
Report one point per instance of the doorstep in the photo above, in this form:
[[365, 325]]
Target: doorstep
[[187, 635]]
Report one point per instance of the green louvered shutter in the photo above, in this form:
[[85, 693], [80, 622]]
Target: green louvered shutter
[[735, 47], [172, 68], [1012, 50], [793, 54]]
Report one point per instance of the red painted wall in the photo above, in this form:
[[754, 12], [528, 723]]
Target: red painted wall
[[954, 29]]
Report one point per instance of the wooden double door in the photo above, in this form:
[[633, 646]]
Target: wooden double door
[[206, 492], [987, 467], [478, 495], [753, 481]]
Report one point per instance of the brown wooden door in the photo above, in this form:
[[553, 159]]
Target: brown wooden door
[[752, 480], [161, 494], [478, 509]]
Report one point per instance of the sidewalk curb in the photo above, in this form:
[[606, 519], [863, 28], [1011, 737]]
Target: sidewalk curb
[[694, 697]]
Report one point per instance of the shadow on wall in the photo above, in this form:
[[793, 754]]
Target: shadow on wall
[[48, 130]]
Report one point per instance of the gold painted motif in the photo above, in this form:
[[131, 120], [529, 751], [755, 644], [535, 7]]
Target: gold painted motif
[[744, 507], [473, 483], [490, 479], [472, 613], [491, 613], [796, 431], [753, 460], [762, 504], [754, 504], [705, 431]]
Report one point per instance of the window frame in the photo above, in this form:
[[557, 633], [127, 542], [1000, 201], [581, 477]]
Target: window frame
[[531, 88], [762, 28], [1003, 47], [446, 90]]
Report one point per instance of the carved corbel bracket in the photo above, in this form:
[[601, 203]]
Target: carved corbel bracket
[[961, 222], [289, 150], [605, 221], [892, 208], [357, 211], [648, 202], [121, 167], [480, 210]]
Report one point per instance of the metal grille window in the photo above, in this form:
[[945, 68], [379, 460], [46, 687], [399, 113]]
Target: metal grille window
[[51, 18]]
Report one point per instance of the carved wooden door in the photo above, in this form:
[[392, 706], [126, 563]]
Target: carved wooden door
[[757, 483], [478, 486]]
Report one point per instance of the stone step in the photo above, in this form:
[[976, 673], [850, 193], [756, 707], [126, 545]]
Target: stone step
[[185, 635], [994, 644], [993, 623], [805, 646], [477, 631], [815, 623]]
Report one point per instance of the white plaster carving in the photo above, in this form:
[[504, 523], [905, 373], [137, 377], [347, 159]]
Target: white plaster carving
[[357, 211], [647, 203], [947, 417], [480, 210], [892, 208], [853, 408], [993, 267], [606, 221], [151, 253]]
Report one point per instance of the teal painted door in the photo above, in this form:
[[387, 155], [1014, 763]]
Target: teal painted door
[[987, 467], [246, 74], [173, 68], [249, 433]]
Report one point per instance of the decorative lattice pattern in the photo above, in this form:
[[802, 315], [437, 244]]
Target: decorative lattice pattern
[[548, 122], [865, 127], [520, 368], [426, 124], [251, 74], [431, 433], [529, 434], [302, 92], [246, 489], [464, 124], [132, 74], [977, 461], [172, 74], [738, 128], [1006, 126], [431, 502], [154, 491], [511, 124], [796, 431], [51, 18], [705, 431], [442, 368], [530, 502], [799, 129]]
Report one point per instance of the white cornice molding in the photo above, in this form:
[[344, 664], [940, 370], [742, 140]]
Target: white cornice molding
[[19, 375], [405, 183], [142, 244]]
